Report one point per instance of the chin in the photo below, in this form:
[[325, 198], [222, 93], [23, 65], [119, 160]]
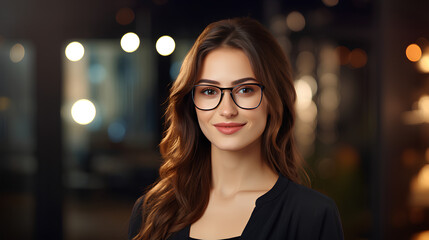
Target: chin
[[228, 148], [233, 146]]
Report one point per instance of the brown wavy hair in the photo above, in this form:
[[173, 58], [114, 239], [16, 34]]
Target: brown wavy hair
[[181, 194]]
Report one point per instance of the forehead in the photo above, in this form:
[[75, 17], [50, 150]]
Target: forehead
[[226, 64]]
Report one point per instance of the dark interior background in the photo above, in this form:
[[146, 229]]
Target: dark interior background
[[365, 133]]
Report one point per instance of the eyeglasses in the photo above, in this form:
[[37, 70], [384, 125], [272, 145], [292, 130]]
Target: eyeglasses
[[246, 96]]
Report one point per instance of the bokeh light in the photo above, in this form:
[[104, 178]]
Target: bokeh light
[[304, 94], [413, 52], [423, 178], [328, 59], [330, 3], [423, 63], [311, 82], [130, 42], [420, 114], [17, 53], [424, 107], [358, 58], [309, 114], [329, 80], [295, 21], [83, 111], [75, 51], [419, 190], [329, 99], [125, 16], [165, 45], [421, 236]]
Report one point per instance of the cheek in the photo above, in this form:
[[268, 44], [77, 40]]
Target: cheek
[[261, 122], [263, 116], [203, 120]]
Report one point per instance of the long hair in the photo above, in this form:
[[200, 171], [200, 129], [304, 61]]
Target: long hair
[[180, 196]]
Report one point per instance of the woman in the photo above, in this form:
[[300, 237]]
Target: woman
[[231, 170]]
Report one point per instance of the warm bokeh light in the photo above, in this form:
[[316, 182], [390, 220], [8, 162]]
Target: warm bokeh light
[[125, 16], [421, 236], [83, 111], [329, 80], [311, 82], [304, 94], [130, 42], [309, 114], [419, 115], [419, 195], [423, 64], [295, 21], [75, 51], [412, 117], [330, 3], [329, 99], [423, 178], [424, 107], [343, 55], [17, 53], [165, 45], [4, 103], [413, 52], [358, 58]]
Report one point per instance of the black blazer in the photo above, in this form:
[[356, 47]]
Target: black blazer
[[287, 211]]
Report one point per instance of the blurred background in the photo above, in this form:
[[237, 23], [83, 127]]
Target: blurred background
[[83, 82]]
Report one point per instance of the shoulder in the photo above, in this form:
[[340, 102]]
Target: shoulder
[[308, 197], [314, 210], [309, 204], [136, 218]]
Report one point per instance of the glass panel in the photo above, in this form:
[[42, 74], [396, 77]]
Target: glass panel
[[17, 138], [112, 155]]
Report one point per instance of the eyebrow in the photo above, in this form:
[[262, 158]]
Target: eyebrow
[[235, 82]]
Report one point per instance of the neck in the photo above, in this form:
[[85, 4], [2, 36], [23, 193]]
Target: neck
[[236, 171]]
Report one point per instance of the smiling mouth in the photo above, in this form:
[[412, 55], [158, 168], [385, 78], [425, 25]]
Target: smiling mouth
[[229, 128]]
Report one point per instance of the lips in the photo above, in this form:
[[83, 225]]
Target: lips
[[228, 128]]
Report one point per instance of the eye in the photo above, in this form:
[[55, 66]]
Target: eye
[[246, 89], [209, 91]]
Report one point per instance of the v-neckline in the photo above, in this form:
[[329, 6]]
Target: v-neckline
[[266, 197]]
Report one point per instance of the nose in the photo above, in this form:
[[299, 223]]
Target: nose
[[227, 107]]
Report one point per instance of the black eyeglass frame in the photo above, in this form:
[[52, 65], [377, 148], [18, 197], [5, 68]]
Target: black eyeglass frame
[[230, 93]]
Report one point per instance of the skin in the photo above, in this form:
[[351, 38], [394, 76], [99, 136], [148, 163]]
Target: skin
[[239, 172]]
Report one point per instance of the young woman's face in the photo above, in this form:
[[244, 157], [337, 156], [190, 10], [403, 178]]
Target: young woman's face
[[229, 127]]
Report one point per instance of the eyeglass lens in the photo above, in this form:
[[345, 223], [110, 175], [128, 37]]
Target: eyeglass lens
[[247, 96]]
